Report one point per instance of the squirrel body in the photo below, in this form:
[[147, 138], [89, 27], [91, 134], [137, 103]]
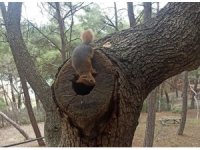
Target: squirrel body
[[82, 59]]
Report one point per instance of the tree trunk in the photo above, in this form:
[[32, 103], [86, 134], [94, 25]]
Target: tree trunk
[[71, 30], [175, 84], [137, 61], [161, 90], [116, 17], [150, 125], [62, 31], [176, 92], [37, 102], [147, 11], [157, 8], [195, 98], [167, 100], [195, 89], [14, 124], [13, 96], [19, 101], [131, 16], [13, 103], [11, 88], [4, 93], [30, 111], [184, 104]]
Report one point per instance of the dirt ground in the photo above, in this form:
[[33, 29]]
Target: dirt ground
[[165, 136], [10, 135]]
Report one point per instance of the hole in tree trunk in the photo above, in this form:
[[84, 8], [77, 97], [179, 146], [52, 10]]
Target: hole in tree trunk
[[80, 88]]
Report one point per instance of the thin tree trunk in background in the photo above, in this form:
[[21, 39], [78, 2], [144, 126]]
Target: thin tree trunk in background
[[131, 15], [14, 103], [12, 92], [176, 92], [161, 90], [195, 89], [196, 100], [184, 104], [116, 17], [19, 104], [19, 101], [37, 102], [71, 30], [30, 111], [175, 84], [158, 8], [147, 11], [150, 125], [4, 93], [167, 100], [62, 31], [14, 124]]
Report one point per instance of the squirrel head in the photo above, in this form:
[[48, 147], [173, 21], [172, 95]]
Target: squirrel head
[[86, 79]]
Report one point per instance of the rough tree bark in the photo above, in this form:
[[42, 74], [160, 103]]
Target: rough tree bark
[[136, 62], [131, 15], [184, 105]]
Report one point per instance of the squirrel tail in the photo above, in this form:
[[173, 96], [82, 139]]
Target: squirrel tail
[[87, 36]]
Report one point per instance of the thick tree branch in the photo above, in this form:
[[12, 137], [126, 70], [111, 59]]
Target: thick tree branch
[[162, 47]]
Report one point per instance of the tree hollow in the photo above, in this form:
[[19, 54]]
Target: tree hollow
[[87, 108]]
